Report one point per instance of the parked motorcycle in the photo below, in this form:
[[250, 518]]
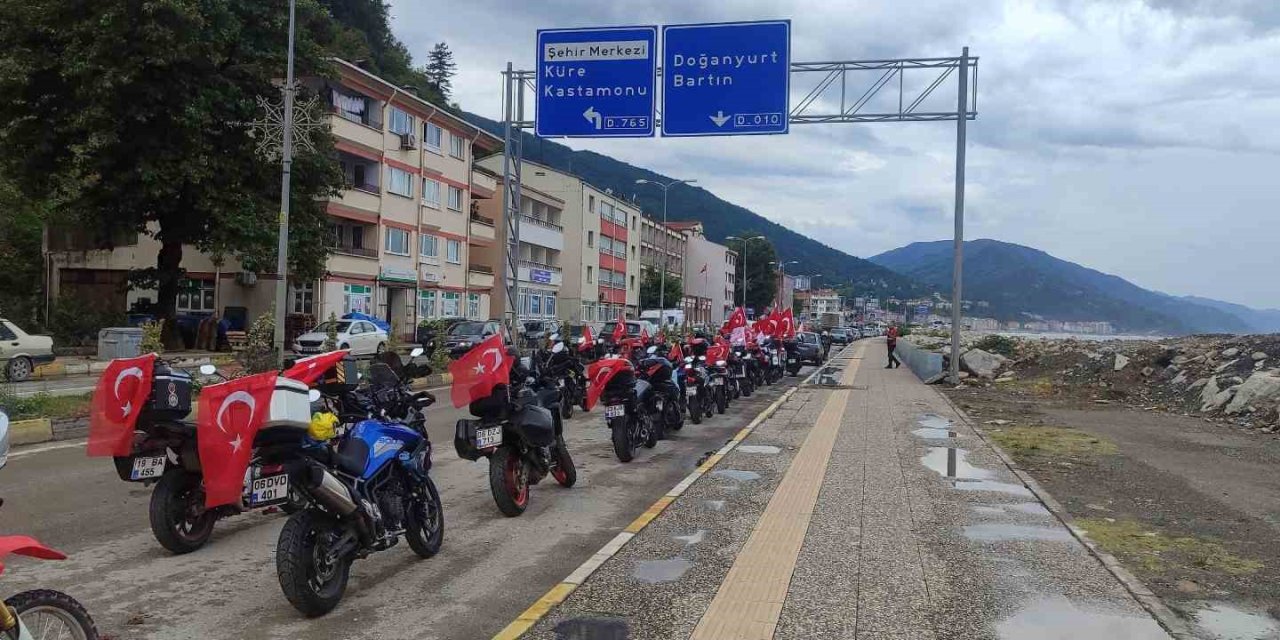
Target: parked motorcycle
[[631, 407], [48, 613], [363, 494], [560, 368], [718, 369], [658, 371], [521, 432]]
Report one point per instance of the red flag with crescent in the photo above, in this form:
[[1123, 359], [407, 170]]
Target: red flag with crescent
[[475, 374], [675, 355], [588, 340], [599, 373], [620, 329], [230, 415], [309, 370], [737, 319], [117, 401]]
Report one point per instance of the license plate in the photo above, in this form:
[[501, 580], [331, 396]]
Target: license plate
[[775, 360], [488, 437], [147, 468], [691, 391], [615, 411], [719, 382], [791, 360], [269, 490]]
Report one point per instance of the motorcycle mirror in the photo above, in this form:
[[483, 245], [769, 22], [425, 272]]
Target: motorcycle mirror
[[557, 347], [652, 349], [313, 395], [417, 351], [4, 438], [208, 369]]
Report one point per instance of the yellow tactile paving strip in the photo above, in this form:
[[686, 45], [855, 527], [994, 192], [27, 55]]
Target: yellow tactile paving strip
[[749, 601]]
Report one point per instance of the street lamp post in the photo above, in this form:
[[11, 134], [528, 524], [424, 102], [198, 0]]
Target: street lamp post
[[662, 288], [744, 242], [286, 166]]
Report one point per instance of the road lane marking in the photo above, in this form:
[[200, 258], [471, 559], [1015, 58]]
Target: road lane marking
[[50, 447], [749, 601], [564, 588]]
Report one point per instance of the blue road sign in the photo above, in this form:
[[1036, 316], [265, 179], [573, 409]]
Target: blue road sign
[[726, 79], [596, 83]]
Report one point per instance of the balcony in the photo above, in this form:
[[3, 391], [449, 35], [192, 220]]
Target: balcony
[[480, 276], [542, 233], [355, 132], [482, 229], [540, 273], [360, 252]]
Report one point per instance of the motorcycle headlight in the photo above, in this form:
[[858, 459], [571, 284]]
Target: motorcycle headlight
[[720, 363], [688, 366]]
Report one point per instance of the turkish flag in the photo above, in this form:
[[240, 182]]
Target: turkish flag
[[738, 336], [309, 370], [599, 373], [675, 355], [737, 319], [644, 334], [117, 401], [475, 374], [786, 328], [716, 353], [619, 329], [765, 325], [588, 340], [230, 415]]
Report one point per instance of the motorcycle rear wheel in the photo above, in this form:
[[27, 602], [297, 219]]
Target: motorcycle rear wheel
[[623, 446], [564, 472], [42, 609], [566, 406], [509, 481], [174, 501], [722, 400], [425, 529], [312, 583], [695, 409]]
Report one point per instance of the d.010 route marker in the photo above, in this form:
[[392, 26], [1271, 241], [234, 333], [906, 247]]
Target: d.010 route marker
[[726, 79], [596, 83]]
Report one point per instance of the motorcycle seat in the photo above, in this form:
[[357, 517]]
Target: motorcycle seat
[[643, 390]]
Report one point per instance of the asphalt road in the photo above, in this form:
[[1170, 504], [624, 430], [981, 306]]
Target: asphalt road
[[69, 386], [490, 569]]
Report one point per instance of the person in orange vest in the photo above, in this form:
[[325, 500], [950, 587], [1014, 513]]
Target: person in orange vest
[[891, 338]]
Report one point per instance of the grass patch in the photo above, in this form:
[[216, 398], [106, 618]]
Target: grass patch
[[1154, 551], [45, 406], [1026, 442]]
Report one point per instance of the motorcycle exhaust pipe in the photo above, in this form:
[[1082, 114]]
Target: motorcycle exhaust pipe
[[329, 491]]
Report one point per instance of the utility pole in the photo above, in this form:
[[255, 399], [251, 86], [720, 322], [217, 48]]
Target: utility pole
[[286, 169], [962, 108], [662, 288]]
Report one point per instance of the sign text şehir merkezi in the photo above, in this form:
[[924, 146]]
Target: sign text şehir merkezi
[[596, 82]]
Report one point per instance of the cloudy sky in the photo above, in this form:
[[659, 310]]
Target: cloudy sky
[[1137, 138]]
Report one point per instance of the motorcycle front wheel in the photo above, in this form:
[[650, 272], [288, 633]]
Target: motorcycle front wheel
[[623, 445], [566, 406], [44, 610], [722, 400], [312, 581], [509, 481], [178, 518], [695, 409], [425, 529]]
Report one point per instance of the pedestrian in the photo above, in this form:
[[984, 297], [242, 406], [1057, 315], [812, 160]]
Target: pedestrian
[[891, 338], [826, 345]]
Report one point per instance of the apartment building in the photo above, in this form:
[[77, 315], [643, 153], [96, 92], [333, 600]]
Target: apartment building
[[815, 302], [578, 244], [709, 270], [657, 241], [402, 233]]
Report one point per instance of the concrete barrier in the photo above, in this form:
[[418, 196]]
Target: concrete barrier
[[925, 364], [32, 431]]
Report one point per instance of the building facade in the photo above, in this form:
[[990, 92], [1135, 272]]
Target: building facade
[[815, 302], [657, 241], [402, 232], [709, 270]]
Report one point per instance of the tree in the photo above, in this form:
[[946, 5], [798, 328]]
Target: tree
[[762, 277], [125, 116], [441, 68], [21, 281], [651, 285], [362, 34]]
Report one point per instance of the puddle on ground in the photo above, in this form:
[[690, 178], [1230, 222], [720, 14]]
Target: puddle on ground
[[693, 538], [951, 463], [1223, 621], [998, 487], [926, 432], [736, 474], [592, 629], [1057, 618], [1029, 508], [654, 571], [714, 505], [758, 448], [1000, 532], [934, 421]]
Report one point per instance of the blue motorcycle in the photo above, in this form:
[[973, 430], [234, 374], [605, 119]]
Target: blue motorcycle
[[365, 493]]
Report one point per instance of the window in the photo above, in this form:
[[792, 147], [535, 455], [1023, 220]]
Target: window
[[427, 303], [399, 182], [397, 241], [535, 304], [401, 122], [432, 137], [449, 304], [455, 198], [633, 282], [453, 252], [195, 295], [473, 305], [430, 246], [457, 147], [591, 237], [431, 193], [606, 244], [6, 333], [589, 273], [591, 204], [357, 298], [353, 108], [549, 304], [634, 220], [302, 297]]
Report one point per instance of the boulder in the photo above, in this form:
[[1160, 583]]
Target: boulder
[[1259, 355], [1223, 367], [1198, 383], [1147, 371], [1181, 378], [1209, 392], [1230, 353], [980, 363], [1121, 361], [1259, 387], [1181, 359]]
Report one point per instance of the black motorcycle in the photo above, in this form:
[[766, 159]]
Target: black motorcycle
[[521, 433], [658, 371], [633, 411], [559, 367]]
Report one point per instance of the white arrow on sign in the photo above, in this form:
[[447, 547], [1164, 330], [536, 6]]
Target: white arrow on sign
[[720, 118], [593, 116]]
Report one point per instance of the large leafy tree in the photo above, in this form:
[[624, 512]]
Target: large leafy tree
[[762, 277], [127, 115], [651, 285]]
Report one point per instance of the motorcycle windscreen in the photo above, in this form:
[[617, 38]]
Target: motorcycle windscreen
[[600, 373]]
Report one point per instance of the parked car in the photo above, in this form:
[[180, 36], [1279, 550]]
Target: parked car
[[537, 331], [360, 336], [808, 348], [843, 335], [21, 352], [422, 334], [469, 333]]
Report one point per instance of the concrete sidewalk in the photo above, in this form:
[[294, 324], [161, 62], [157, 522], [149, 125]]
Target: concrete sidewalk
[[867, 510]]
